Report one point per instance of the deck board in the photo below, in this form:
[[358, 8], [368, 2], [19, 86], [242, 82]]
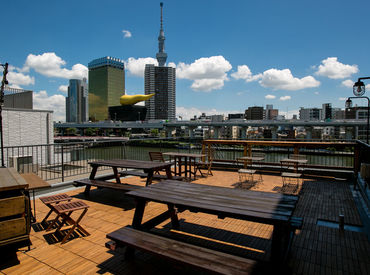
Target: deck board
[[315, 250]]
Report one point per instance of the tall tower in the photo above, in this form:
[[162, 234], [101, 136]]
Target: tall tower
[[77, 101], [161, 55], [160, 80], [106, 85]]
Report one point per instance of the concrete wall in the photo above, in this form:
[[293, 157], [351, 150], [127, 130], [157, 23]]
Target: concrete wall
[[27, 127]]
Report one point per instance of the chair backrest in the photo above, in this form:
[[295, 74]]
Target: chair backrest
[[258, 155], [156, 156], [296, 156], [246, 163], [286, 166]]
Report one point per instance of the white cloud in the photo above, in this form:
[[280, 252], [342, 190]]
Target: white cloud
[[50, 65], [56, 103], [289, 114], [342, 98], [270, 96], [286, 97], [19, 79], [245, 73], [136, 67], [284, 80], [347, 83], [333, 69], [126, 34], [63, 88], [187, 113], [208, 73], [316, 93]]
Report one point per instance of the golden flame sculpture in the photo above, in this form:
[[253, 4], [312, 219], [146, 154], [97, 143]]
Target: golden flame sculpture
[[132, 99]]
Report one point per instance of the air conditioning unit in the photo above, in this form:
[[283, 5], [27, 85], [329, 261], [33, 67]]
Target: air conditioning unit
[[22, 164]]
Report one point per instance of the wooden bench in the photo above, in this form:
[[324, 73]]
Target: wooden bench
[[104, 184], [144, 175], [180, 252]]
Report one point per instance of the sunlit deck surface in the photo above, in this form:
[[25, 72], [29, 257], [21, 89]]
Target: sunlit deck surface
[[315, 250]]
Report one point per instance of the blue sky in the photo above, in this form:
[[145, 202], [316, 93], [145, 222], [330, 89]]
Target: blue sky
[[229, 55]]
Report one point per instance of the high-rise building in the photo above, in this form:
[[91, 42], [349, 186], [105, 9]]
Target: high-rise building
[[77, 104], [326, 112], [309, 114], [106, 86], [254, 113], [160, 80], [271, 113]]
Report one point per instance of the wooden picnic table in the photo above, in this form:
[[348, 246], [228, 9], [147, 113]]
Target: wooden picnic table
[[262, 207], [148, 166], [186, 160]]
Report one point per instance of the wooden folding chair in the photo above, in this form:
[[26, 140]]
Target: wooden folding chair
[[64, 211], [158, 157], [51, 201], [207, 163]]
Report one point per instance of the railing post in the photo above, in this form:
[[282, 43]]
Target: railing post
[[62, 163], [356, 163]]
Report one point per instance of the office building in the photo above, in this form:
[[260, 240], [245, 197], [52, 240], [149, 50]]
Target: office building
[[77, 104], [271, 113], [106, 86], [309, 114], [326, 112], [254, 113], [160, 80]]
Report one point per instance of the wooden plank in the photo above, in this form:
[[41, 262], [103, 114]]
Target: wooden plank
[[12, 228], [199, 257], [11, 180], [135, 164], [34, 181], [144, 175], [105, 184], [12, 206]]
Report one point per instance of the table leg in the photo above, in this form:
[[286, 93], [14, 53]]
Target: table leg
[[116, 175], [136, 223], [173, 215], [149, 178], [186, 167], [92, 176], [279, 235], [168, 172]]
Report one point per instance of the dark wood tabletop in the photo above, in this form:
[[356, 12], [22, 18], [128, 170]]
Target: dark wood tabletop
[[242, 204], [129, 163], [188, 155], [262, 207]]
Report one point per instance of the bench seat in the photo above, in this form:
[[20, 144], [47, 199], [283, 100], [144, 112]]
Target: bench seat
[[144, 175], [105, 184], [180, 252]]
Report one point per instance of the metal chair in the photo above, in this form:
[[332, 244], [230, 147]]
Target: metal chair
[[246, 173], [289, 173]]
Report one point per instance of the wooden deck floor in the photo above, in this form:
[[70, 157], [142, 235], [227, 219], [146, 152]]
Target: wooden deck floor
[[316, 249]]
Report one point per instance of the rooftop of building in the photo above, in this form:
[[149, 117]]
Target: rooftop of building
[[316, 249]]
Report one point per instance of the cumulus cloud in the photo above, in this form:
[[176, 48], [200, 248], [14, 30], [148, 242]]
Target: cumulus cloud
[[342, 98], [270, 96], [56, 103], [316, 93], [16, 79], [284, 98], [63, 88], [334, 69], [188, 113], [50, 65], [126, 34], [347, 83], [136, 67], [208, 73], [245, 73], [284, 80]]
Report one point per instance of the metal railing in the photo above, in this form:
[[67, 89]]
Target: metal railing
[[62, 160]]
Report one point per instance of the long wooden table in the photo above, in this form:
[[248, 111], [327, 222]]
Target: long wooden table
[[262, 207]]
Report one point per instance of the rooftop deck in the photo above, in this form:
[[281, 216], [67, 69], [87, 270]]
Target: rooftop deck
[[316, 249]]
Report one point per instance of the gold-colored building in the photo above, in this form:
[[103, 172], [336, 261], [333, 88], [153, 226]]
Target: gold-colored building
[[106, 86]]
